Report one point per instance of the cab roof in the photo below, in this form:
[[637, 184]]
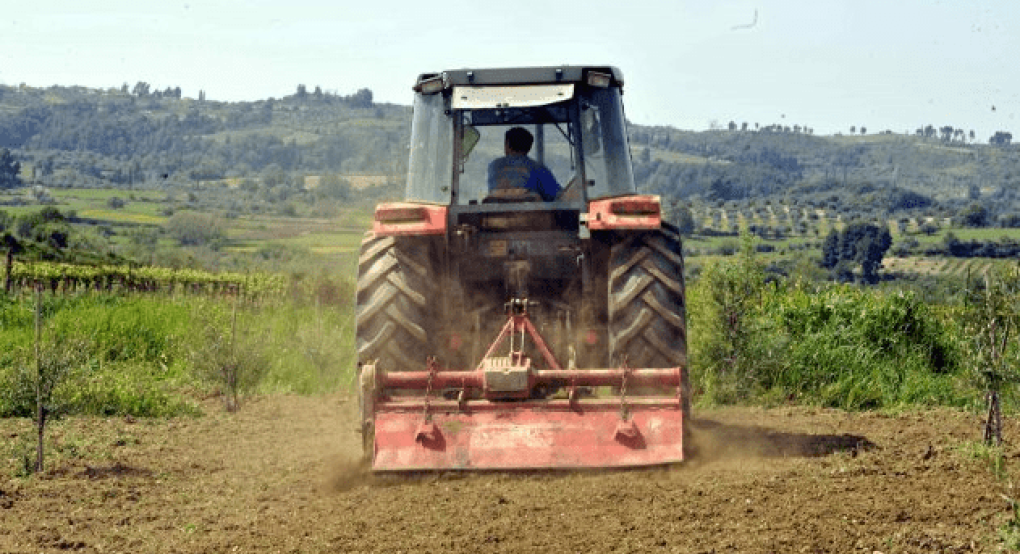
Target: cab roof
[[560, 74]]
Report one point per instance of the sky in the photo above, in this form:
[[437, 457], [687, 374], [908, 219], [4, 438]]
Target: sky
[[824, 64]]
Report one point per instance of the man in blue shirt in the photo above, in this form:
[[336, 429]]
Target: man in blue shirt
[[517, 171]]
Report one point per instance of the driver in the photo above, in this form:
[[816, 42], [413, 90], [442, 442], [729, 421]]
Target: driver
[[517, 170]]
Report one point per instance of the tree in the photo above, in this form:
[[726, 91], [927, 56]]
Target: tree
[[859, 243], [645, 155], [333, 187], [975, 215], [192, 229], [684, 220], [226, 355], [864, 130], [973, 192], [362, 98], [830, 250], [1001, 138], [993, 322], [908, 200], [9, 170], [40, 373], [853, 129], [141, 89], [732, 125], [1010, 221], [47, 226]]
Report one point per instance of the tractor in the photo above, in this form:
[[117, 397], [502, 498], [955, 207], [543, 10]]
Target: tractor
[[499, 330]]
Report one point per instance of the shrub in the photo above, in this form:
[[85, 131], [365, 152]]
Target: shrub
[[755, 336], [194, 229], [225, 354]]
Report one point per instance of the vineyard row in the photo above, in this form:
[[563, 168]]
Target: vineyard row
[[72, 278]]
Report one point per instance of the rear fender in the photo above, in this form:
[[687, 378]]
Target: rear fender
[[642, 211], [409, 219]]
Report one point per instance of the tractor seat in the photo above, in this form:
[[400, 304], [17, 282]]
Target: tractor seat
[[508, 195]]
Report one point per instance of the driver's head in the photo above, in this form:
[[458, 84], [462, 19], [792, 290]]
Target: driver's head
[[518, 140]]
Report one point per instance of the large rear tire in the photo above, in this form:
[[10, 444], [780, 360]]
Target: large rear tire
[[396, 287], [647, 306]]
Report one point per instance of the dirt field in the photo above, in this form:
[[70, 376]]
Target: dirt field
[[279, 477]]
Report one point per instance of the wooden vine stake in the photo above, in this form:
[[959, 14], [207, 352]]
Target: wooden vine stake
[[40, 410], [993, 423]]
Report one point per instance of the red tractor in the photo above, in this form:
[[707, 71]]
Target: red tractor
[[497, 329]]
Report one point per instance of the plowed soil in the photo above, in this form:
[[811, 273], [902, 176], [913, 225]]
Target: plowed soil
[[281, 476]]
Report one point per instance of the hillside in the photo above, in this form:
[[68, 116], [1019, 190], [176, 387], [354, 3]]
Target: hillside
[[272, 149]]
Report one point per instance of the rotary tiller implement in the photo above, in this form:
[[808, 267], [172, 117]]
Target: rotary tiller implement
[[508, 414]]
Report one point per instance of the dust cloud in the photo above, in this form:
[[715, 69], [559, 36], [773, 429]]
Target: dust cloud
[[711, 441], [347, 473]]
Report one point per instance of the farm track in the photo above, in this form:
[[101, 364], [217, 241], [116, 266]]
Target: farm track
[[281, 476]]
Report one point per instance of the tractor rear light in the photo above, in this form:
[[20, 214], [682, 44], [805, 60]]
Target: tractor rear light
[[625, 212], [406, 218], [600, 80], [645, 207], [400, 215]]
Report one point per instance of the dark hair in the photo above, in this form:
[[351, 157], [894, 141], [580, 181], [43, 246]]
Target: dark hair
[[519, 139]]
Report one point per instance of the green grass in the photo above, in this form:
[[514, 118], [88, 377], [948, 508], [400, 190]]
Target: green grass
[[140, 351], [836, 346], [132, 363]]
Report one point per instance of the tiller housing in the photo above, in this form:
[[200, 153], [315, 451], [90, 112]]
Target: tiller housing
[[507, 414]]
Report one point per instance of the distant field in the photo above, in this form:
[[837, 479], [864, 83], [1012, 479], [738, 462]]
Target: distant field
[[323, 237], [994, 234], [680, 157], [986, 234], [956, 267], [124, 216], [339, 236], [105, 194], [141, 207]]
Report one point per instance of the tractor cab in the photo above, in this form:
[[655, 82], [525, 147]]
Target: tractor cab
[[574, 114]]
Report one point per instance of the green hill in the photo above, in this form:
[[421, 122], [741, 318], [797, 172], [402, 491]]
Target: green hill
[[79, 137]]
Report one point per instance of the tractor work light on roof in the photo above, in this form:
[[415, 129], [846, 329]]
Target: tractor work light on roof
[[432, 86], [600, 80]]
